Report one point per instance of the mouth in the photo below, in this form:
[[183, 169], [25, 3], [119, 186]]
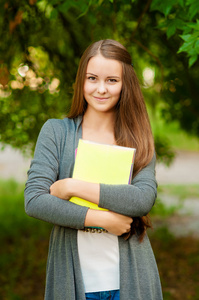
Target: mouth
[[101, 99]]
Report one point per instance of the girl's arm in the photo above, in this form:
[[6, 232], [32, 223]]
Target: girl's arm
[[68, 187], [44, 170], [134, 200], [113, 222]]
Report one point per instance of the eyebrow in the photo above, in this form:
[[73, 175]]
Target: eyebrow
[[107, 76]]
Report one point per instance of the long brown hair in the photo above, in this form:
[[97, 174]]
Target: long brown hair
[[132, 127]]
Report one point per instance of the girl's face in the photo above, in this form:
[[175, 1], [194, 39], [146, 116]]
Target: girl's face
[[103, 83]]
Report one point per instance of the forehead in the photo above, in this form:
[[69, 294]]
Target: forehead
[[100, 65]]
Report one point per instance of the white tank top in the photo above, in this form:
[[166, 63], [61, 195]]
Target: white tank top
[[99, 260]]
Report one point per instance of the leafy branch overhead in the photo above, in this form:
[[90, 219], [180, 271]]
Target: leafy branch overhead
[[41, 42], [181, 17]]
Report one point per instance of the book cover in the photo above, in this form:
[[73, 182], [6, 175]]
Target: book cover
[[101, 163]]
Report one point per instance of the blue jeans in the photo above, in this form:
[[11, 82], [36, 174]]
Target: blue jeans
[[107, 295]]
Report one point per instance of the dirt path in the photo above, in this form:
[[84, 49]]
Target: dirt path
[[185, 219], [13, 164], [184, 169]]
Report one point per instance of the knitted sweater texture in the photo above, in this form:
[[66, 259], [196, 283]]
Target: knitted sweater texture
[[53, 160]]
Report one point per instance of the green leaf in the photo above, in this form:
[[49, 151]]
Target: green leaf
[[190, 38], [197, 46], [192, 60], [173, 25], [194, 8], [85, 9], [180, 24], [163, 6], [171, 29], [186, 47], [163, 24], [186, 37], [181, 2], [54, 14], [64, 7], [194, 25], [192, 52]]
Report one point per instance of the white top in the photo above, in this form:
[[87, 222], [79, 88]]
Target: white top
[[99, 260]]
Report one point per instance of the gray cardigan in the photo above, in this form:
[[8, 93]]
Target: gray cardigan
[[54, 159]]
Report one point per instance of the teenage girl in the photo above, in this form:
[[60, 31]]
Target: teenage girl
[[117, 263]]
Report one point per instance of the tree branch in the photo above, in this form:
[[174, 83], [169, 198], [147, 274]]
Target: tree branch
[[141, 17]]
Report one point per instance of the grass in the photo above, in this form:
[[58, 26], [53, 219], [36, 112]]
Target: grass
[[24, 244], [24, 248], [177, 258], [162, 210], [178, 264], [180, 191], [12, 215]]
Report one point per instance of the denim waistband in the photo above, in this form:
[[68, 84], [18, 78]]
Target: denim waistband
[[105, 295]]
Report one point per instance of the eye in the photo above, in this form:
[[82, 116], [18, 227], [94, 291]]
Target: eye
[[91, 78], [112, 80]]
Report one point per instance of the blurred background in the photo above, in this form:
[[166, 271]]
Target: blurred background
[[40, 46]]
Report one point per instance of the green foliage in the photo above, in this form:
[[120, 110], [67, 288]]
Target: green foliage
[[191, 42], [164, 235], [163, 6], [181, 16], [12, 214], [163, 211], [42, 41], [163, 150], [170, 133], [181, 191], [24, 245]]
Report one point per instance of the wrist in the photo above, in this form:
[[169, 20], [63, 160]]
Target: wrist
[[105, 220], [72, 187], [85, 190], [95, 218]]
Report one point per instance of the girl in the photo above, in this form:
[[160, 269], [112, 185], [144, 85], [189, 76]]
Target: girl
[[108, 108]]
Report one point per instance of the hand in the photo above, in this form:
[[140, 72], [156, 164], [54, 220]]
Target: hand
[[116, 223], [62, 188]]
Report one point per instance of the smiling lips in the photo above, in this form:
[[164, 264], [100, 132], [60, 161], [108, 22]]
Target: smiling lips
[[101, 99]]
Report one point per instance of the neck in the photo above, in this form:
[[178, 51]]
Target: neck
[[98, 127], [99, 121]]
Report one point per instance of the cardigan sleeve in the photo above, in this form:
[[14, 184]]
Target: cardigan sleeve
[[42, 174], [135, 199]]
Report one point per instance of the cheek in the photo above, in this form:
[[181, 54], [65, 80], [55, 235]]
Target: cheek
[[116, 91], [88, 88]]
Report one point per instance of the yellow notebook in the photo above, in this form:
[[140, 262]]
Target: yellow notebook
[[101, 163]]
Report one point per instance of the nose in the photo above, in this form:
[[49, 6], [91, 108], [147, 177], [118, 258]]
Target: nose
[[102, 87]]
